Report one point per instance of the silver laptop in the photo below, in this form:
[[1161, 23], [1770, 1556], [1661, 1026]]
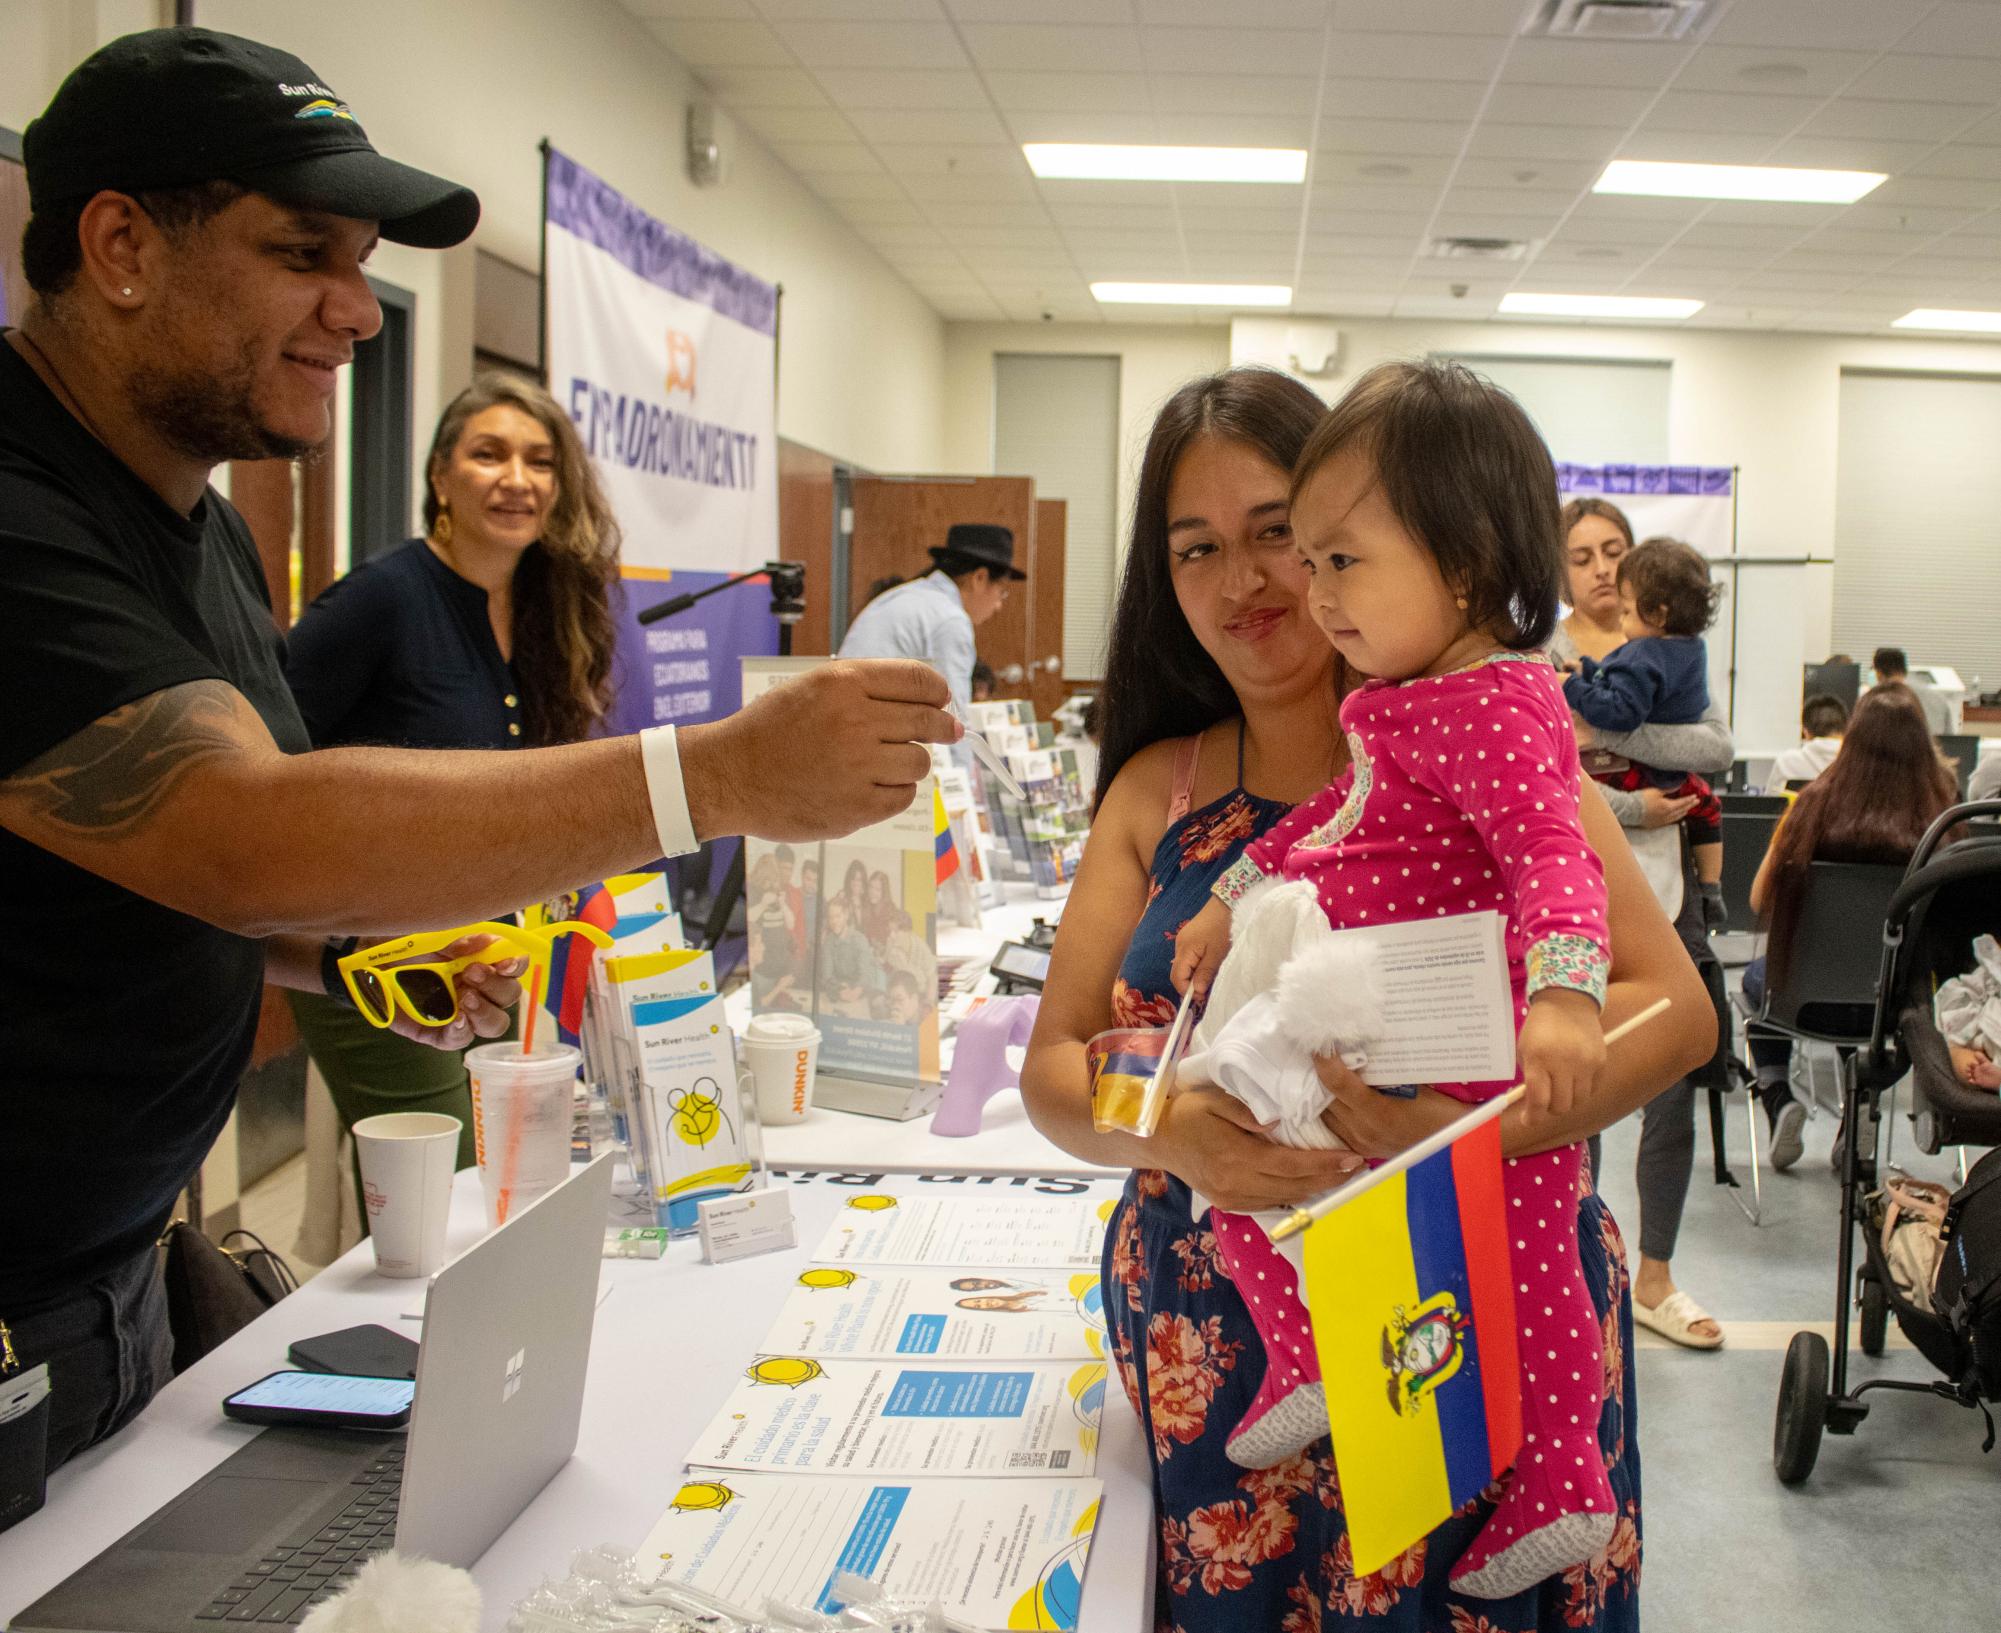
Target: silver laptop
[[287, 1520]]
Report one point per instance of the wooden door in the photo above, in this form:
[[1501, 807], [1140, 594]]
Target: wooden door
[[806, 533], [898, 519], [1046, 627]]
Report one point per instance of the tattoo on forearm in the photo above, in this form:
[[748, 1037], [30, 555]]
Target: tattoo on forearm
[[109, 778]]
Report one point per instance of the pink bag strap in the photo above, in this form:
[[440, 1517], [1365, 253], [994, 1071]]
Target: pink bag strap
[[1185, 758]]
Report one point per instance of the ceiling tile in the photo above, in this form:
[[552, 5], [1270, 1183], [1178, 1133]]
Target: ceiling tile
[[1442, 99], [1046, 48], [1929, 78], [1851, 25], [1574, 105], [907, 88], [1323, 247], [1588, 144], [957, 213], [1687, 257], [1525, 201], [1276, 53], [898, 239], [850, 11], [691, 8], [1044, 238], [965, 126], [1897, 121], [765, 87], [1209, 242], [1957, 31], [1355, 55], [874, 45], [1195, 216], [1579, 63], [1912, 218], [829, 158], [1385, 137], [1976, 163], [1508, 174], [1066, 211], [1071, 92], [1237, 129], [1697, 147], [1101, 198], [797, 124], [1369, 223], [1005, 191], [1341, 195], [1949, 192], [839, 189], [1224, 92], [1116, 12], [1248, 13], [1084, 125], [1770, 71], [939, 159], [1712, 111], [1795, 218], [1850, 153], [703, 43], [1366, 170], [1731, 235], [882, 212]]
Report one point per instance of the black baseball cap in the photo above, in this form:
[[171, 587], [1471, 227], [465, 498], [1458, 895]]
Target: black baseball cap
[[172, 107]]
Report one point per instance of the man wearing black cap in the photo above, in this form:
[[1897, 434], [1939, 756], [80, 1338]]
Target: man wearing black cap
[[202, 207], [932, 618]]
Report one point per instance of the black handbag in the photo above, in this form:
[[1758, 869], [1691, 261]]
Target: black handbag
[[213, 1293]]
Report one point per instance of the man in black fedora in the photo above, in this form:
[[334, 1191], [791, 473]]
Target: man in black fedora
[[932, 618]]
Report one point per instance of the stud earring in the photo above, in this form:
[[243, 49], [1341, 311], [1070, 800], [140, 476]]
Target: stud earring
[[441, 529], [127, 290], [1459, 602]]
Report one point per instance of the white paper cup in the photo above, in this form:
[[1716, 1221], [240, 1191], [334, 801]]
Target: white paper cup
[[782, 1053], [521, 1114], [406, 1159]]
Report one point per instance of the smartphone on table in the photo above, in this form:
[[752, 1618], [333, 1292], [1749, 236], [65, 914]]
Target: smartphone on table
[[324, 1400]]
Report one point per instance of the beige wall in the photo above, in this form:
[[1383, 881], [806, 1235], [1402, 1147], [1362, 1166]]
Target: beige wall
[[469, 90], [1153, 361]]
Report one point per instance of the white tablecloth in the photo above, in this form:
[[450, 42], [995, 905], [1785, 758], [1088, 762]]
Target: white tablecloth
[[671, 1339]]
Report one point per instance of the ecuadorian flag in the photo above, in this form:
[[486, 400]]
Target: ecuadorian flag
[[1413, 1308]]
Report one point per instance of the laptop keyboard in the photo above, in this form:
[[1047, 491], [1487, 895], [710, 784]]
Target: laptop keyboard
[[287, 1582]]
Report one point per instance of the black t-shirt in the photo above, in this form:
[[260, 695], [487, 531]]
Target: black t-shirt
[[124, 1026], [401, 653]]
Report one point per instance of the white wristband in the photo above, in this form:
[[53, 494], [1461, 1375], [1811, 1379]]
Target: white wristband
[[661, 756]]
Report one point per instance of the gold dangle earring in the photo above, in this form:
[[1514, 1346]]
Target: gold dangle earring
[[441, 529]]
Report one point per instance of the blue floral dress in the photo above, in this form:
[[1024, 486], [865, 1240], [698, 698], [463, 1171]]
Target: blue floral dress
[[1266, 1550]]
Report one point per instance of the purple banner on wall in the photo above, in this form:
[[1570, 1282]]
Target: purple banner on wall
[[1714, 481], [686, 669]]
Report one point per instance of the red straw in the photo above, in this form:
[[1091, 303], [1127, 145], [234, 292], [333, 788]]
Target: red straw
[[534, 1009]]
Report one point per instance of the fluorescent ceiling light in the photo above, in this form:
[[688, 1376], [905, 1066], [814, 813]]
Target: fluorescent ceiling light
[[1600, 306], [1936, 317], [1192, 294], [1106, 161], [1770, 183]]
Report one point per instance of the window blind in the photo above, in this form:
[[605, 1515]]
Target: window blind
[[1588, 409]]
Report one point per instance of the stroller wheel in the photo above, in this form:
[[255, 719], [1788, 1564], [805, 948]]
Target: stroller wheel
[[1875, 1315], [1802, 1408]]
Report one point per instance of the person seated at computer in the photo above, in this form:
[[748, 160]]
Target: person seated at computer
[[1822, 722]]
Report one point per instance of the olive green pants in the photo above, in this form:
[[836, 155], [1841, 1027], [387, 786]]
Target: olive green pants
[[369, 1070]]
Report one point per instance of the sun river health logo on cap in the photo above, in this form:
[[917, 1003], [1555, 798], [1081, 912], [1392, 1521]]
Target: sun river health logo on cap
[[325, 105]]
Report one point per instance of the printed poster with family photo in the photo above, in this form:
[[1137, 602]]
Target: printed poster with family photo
[[847, 932]]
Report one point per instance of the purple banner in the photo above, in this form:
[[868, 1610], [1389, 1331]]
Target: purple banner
[[1714, 481], [598, 213]]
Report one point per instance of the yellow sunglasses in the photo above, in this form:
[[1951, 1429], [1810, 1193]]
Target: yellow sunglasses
[[395, 974]]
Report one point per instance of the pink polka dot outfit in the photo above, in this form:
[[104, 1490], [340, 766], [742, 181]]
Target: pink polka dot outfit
[[1462, 797]]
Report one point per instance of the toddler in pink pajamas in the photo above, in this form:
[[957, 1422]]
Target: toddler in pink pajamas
[[1461, 796]]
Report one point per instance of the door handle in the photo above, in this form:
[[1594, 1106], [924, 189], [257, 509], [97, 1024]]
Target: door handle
[[1053, 664], [1013, 675]]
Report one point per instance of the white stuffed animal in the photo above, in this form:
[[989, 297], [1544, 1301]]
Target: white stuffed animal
[[391, 1594]]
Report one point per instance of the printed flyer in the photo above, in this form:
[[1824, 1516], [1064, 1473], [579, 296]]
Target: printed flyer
[[999, 1555], [791, 1412], [956, 1315], [1008, 1231]]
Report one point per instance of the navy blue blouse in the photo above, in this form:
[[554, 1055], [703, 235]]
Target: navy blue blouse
[[400, 653]]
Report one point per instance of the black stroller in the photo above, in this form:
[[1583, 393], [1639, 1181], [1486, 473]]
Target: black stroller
[[1947, 897]]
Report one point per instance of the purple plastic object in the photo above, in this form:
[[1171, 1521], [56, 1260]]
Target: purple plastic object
[[979, 1062]]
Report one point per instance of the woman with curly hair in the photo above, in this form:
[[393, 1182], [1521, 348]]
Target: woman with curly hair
[[492, 631]]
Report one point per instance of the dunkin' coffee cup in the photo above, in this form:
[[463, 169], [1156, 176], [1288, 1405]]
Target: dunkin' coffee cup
[[406, 1159], [783, 1053], [521, 1114]]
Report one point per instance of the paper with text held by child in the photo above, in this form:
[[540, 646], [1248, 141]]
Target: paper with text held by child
[[956, 1315], [993, 1553], [1448, 1009], [872, 1417], [996, 1228]]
